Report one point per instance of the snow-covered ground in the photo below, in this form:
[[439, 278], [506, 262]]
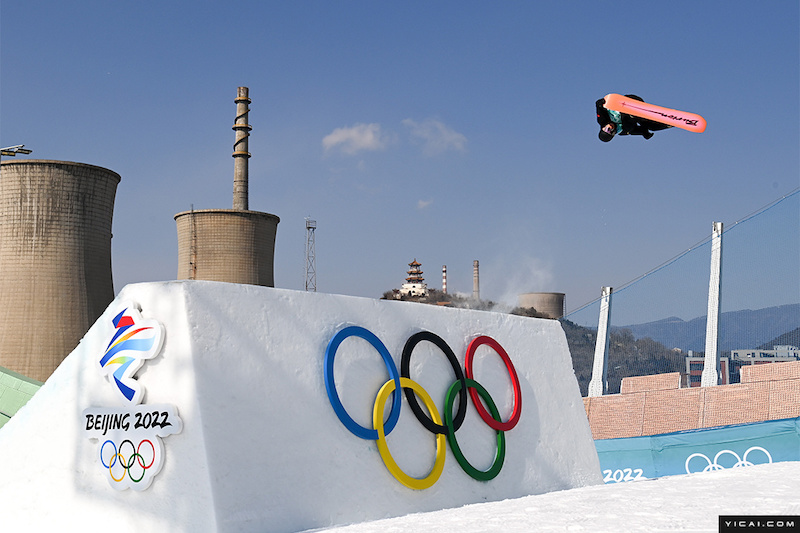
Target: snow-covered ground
[[678, 503]]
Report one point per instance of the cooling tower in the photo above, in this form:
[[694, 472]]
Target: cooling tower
[[234, 245], [55, 259], [550, 304], [227, 245]]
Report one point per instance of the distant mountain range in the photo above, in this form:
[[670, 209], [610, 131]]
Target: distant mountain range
[[738, 329]]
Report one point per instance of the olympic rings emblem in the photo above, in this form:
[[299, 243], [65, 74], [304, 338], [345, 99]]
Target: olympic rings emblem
[[740, 461], [464, 385], [135, 463]]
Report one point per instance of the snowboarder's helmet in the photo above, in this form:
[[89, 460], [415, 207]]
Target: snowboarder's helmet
[[605, 136]]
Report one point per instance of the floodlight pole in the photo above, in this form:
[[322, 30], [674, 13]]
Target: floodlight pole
[[14, 150]]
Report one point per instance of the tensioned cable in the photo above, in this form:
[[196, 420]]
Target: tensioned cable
[[702, 242], [764, 209]]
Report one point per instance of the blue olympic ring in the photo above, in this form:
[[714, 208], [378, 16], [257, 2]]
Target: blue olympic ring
[[330, 386]]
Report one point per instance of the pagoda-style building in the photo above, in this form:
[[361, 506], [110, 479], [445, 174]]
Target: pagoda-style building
[[414, 287]]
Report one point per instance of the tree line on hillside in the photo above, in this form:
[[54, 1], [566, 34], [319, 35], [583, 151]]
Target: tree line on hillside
[[792, 338], [436, 297], [627, 356]]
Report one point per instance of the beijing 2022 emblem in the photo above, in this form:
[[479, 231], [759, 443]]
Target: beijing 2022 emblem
[[130, 451]]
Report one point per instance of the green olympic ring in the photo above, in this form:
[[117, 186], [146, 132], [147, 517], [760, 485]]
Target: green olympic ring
[[480, 475]]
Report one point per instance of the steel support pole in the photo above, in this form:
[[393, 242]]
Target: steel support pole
[[710, 376], [598, 385]]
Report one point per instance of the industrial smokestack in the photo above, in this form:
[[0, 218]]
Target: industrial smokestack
[[476, 286], [444, 279], [240, 151], [232, 245]]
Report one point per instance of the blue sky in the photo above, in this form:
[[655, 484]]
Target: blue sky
[[441, 131]]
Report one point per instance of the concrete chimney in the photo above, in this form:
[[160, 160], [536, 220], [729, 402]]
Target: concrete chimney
[[444, 279], [232, 245], [241, 155]]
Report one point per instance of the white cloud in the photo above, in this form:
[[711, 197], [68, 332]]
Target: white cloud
[[357, 138], [436, 137], [422, 204]]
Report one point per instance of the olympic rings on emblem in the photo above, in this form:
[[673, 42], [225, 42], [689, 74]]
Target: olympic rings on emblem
[[444, 430], [740, 461], [126, 466]]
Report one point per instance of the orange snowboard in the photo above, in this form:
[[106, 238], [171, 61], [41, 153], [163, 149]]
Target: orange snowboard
[[679, 119]]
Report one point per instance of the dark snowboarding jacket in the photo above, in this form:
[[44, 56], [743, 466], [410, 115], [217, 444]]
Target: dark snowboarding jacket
[[630, 125]]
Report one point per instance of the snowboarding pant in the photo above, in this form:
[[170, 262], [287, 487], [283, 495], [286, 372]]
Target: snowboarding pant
[[639, 126]]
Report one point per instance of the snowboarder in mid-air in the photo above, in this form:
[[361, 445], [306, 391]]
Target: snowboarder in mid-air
[[613, 122]]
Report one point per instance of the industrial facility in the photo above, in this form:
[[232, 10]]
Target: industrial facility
[[55, 252], [233, 245], [55, 249], [547, 304], [55, 259]]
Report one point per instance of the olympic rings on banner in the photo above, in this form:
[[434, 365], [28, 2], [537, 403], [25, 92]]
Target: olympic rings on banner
[[740, 461], [443, 429], [126, 465]]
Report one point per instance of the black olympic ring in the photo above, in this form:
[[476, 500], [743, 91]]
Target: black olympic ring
[[405, 371]]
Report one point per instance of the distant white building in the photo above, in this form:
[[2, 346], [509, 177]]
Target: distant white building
[[738, 359], [780, 353], [415, 286]]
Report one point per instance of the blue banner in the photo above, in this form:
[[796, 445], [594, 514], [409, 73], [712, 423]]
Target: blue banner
[[699, 450]]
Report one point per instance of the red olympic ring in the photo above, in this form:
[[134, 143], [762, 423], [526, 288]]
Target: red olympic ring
[[517, 411], [138, 452]]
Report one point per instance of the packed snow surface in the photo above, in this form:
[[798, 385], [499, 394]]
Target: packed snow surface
[[691, 502]]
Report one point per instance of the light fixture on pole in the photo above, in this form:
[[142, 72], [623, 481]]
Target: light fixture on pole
[[14, 150]]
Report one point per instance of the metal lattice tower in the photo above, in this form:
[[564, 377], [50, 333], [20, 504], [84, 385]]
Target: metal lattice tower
[[311, 268]]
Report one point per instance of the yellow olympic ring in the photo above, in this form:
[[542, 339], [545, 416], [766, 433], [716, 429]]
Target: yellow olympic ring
[[383, 448], [111, 473]]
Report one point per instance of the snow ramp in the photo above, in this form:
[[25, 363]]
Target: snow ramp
[[205, 406]]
